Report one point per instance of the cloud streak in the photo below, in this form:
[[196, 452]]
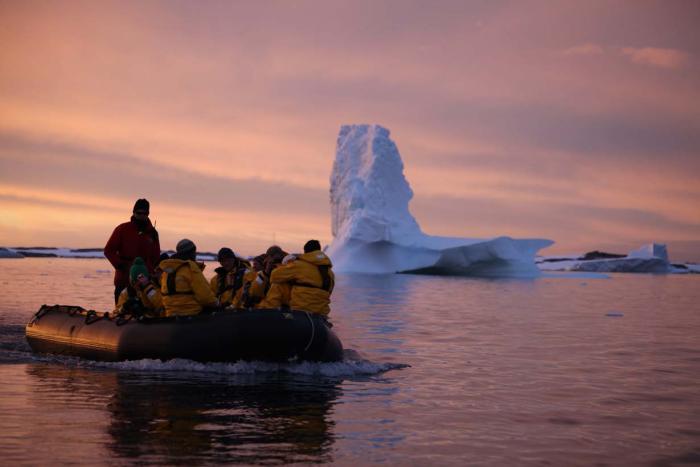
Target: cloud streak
[[655, 56]]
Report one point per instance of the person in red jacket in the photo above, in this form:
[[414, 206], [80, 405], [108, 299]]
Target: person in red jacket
[[135, 238]]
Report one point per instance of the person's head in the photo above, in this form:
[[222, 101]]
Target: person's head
[[275, 253], [312, 245], [138, 271], [186, 249], [141, 209], [227, 258], [273, 257], [259, 262]]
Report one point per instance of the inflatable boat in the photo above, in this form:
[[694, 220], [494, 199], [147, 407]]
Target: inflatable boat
[[218, 336]]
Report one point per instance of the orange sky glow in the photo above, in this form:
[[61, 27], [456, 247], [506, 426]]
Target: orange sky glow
[[574, 121]]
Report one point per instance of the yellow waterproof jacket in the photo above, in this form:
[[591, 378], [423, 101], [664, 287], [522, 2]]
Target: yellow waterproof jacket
[[311, 279], [228, 285], [251, 292], [187, 291], [278, 295], [150, 297]]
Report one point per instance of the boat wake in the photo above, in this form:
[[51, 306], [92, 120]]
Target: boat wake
[[351, 365]]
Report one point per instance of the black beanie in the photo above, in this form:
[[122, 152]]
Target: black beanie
[[312, 245], [185, 246], [225, 253], [142, 205]]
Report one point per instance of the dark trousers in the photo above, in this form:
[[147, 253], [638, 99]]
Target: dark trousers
[[117, 292]]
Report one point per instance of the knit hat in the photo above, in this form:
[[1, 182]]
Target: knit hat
[[139, 267], [185, 246], [312, 245], [260, 259], [142, 205], [225, 253], [276, 252]]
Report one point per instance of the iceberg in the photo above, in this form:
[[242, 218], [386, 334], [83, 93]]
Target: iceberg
[[374, 231], [9, 253], [651, 258], [651, 251]]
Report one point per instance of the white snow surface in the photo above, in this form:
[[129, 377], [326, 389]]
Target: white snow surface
[[628, 264], [652, 250], [374, 232]]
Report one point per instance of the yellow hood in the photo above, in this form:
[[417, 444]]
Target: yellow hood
[[317, 258]]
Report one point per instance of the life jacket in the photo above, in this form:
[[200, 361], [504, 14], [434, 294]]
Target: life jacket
[[150, 290], [133, 304], [170, 281], [246, 299], [221, 281]]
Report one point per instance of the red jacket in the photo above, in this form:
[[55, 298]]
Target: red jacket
[[126, 243]]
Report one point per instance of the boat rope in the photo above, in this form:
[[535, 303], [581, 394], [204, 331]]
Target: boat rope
[[313, 331], [39, 314], [92, 317]]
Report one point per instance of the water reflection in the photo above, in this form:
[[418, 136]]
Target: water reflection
[[175, 418], [370, 308]]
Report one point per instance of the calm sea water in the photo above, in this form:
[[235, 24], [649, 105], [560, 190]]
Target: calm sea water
[[440, 371]]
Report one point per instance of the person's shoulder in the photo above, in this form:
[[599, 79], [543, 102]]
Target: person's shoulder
[[123, 226], [195, 266]]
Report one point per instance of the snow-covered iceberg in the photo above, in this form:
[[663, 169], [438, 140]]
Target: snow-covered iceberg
[[651, 258], [374, 232]]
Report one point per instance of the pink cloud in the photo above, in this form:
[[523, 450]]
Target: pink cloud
[[654, 56]]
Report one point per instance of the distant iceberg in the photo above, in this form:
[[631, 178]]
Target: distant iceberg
[[651, 258], [374, 232], [9, 253]]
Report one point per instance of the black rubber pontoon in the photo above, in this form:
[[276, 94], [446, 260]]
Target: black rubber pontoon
[[222, 336]]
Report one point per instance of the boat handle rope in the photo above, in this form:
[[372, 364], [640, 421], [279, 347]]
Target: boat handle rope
[[39, 314], [313, 331], [92, 317], [121, 320]]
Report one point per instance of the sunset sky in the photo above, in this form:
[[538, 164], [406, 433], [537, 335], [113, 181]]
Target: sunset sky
[[575, 121]]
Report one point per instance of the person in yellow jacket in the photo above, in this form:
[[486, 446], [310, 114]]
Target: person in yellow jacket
[[185, 289], [141, 296], [310, 278], [272, 295], [229, 278], [251, 292]]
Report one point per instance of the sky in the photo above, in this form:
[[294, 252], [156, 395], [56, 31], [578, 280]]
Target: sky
[[568, 120]]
